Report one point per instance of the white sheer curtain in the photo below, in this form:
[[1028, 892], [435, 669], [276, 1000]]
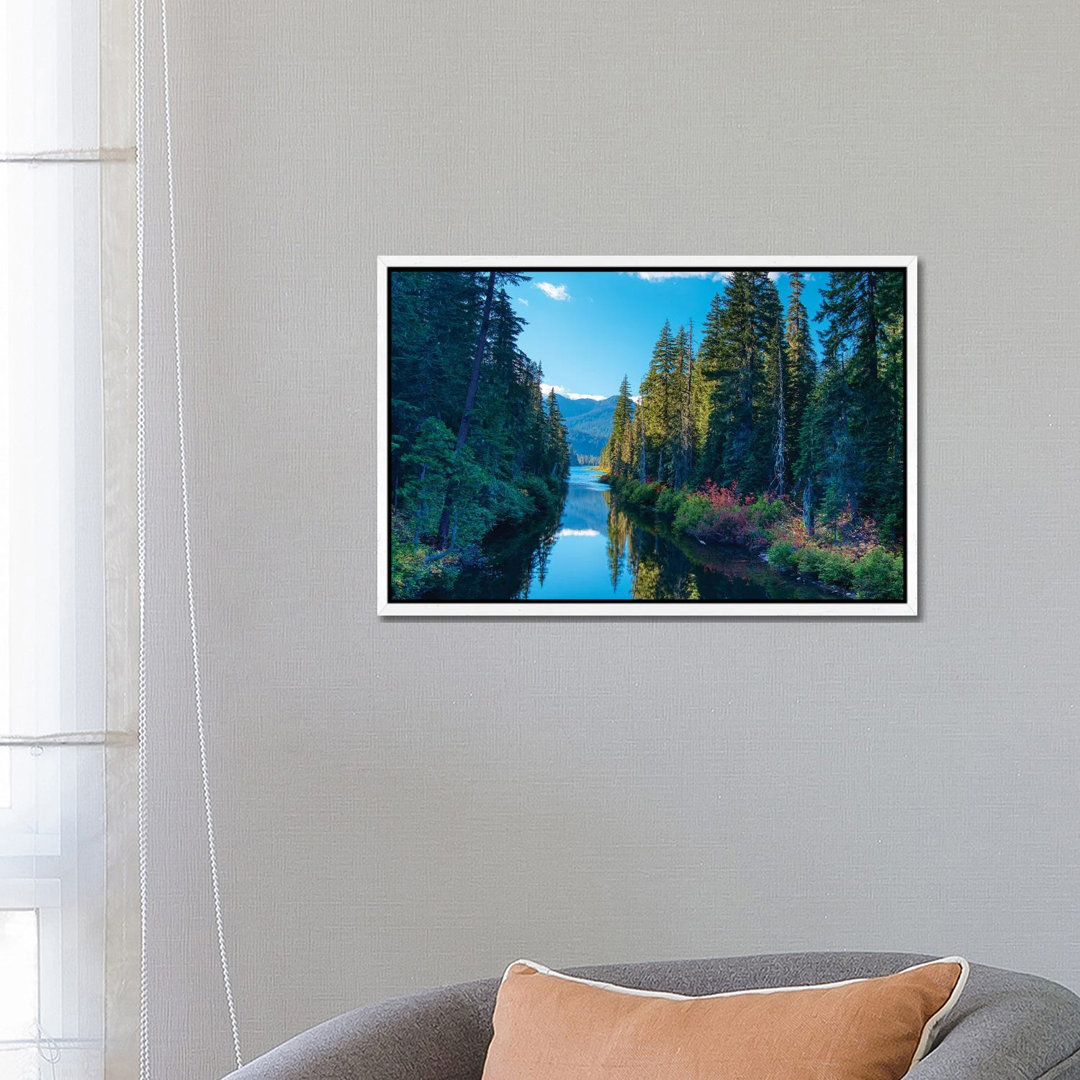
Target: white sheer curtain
[[59, 247]]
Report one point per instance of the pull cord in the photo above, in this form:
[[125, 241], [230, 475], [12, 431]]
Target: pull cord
[[140, 97]]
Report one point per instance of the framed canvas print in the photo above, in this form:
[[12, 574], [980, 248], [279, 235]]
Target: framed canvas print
[[644, 437]]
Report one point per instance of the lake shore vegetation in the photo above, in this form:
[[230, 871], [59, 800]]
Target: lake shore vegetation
[[752, 440], [474, 445]]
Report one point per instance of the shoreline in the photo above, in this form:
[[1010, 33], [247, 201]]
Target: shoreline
[[768, 527]]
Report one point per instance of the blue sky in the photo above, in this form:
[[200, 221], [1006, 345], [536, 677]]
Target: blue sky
[[589, 328]]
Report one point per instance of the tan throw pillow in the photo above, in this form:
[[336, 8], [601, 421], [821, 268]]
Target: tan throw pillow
[[550, 1026]]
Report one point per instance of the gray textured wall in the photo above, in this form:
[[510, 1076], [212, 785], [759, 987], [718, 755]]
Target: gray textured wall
[[410, 803]]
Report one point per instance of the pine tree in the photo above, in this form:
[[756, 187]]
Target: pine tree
[[830, 448], [681, 436], [740, 350], [857, 444], [434, 323], [801, 375], [471, 443], [640, 448], [770, 393], [557, 446], [659, 399], [466, 413], [778, 483], [617, 455], [890, 488], [711, 395], [739, 436]]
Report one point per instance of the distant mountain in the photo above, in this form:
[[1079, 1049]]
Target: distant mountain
[[575, 407], [588, 426]]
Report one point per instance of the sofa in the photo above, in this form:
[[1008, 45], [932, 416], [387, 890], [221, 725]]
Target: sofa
[[1006, 1026]]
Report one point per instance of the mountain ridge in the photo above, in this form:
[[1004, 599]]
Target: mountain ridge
[[588, 425]]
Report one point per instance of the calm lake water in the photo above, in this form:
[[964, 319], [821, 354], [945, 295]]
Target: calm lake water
[[597, 552]]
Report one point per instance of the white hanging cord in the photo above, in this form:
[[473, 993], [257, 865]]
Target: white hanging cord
[[211, 847], [140, 454]]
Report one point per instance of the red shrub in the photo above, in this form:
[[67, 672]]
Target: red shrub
[[721, 497], [733, 525]]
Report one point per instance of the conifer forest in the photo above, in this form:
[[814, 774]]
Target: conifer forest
[[759, 457]]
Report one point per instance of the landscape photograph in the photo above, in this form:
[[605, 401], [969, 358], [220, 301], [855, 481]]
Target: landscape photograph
[[700, 440]]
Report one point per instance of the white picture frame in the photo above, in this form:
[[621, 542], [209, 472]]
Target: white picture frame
[[388, 605]]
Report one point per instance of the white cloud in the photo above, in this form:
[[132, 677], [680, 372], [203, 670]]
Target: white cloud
[[556, 292], [666, 275], [546, 388], [711, 275], [577, 532], [522, 300]]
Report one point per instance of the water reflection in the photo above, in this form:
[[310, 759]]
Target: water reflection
[[597, 551]]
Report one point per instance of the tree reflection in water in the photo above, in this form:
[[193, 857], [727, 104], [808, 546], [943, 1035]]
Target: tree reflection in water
[[593, 549]]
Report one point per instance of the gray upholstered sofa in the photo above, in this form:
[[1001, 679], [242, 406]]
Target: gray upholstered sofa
[[1006, 1026]]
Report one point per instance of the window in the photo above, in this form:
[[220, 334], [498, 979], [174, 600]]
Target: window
[[52, 577]]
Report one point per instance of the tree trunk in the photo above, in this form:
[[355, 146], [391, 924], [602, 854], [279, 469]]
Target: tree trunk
[[779, 481], [466, 415], [421, 504], [688, 420], [872, 330], [808, 508]]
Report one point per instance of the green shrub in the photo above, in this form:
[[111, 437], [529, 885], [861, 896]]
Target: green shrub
[[835, 568], [407, 569], [782, 556], [412, 573], [766, 511], [647, 494], [545, 496], [891, 529], [637, 494], [879, 576], [505, 502], [832, 567], [668, 501], [691, 512], [809, 558]]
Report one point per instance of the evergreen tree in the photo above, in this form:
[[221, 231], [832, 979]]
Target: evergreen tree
[[557, 447], [433, 327], [778, 483], [505, 398], [666, 408], [857, 439], [659, 397], [617, 455], [711, 412], [639, 463], [466, 413], [701, 389], [535, 429], [887, 487], [471, 443], [682, 421], [801, 374], [736, 348], [760, 469]]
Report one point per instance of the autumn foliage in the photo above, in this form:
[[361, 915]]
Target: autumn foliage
[[845, 553]]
